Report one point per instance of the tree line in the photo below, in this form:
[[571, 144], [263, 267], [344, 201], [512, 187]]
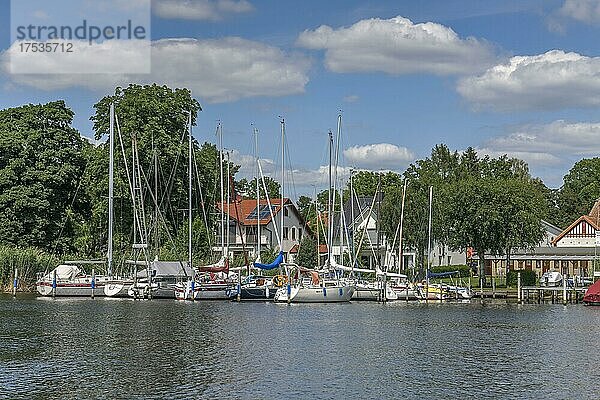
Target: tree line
[[54, 185]]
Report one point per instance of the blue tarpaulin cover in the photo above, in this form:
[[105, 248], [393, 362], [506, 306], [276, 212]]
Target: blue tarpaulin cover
[[273, 265]]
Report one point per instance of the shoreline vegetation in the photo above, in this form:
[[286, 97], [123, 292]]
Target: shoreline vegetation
[[53, 185]]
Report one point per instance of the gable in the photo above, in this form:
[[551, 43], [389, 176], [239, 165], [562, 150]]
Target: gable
[[584, 227]]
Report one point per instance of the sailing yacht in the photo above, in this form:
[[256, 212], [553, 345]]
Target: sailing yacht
[[310, 286], [210, 282], [71, 280]]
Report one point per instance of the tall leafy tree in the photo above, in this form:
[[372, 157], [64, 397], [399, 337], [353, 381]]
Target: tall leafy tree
[[155, 119], [41, 162], [581, 188]]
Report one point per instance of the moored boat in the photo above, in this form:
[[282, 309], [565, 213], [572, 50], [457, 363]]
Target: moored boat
[[551, 278], [592, 295], [70, 280]]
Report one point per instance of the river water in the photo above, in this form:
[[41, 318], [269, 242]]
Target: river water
[[106, 348]]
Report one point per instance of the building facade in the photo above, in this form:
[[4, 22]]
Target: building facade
[[244, 219]]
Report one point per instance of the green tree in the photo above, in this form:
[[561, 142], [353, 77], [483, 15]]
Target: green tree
[[307, 252], [41, 162], [155, 119], [581, 188], [248, 188]]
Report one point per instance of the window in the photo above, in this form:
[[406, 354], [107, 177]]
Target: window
[[293, 233], [285, 233], [286, 212], [299, 234], [262, 213]]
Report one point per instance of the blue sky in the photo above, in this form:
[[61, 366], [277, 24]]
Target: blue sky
[[505, 77]]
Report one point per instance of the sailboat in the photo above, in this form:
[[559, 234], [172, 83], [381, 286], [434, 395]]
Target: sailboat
[[311, 286], [259, 287], [69, 279], [207, 282]]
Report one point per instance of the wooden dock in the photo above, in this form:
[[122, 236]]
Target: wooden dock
[[537, 294], [554, 294]]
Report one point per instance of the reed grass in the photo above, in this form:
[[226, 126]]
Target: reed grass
[[29, 261]]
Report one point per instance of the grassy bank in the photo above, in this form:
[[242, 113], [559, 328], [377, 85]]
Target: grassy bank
[[29, 261]]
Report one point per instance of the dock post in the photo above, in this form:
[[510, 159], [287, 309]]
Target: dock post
[[519, 294], [564, 292], [53, 283], [385, 287], [93, 281], [15, 282]]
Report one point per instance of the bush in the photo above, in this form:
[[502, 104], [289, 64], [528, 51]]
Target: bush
[[463, 270], [29, 261], [528, 278]]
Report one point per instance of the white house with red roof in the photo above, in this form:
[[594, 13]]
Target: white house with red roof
[[245, 216]]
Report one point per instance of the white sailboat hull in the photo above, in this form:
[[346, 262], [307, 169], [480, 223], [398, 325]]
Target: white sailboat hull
[[69, 281], [117, 288], [371, 292], [70, 289], [315, 294], [205, 291]]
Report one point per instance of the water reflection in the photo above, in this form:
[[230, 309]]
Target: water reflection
[[108, 348]]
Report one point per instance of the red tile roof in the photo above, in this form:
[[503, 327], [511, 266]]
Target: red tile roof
[[245, 208]]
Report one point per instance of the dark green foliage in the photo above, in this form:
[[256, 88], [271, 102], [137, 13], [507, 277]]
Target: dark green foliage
[[41, 163], [580, 190], [307, 253], [528, 278], [492, 205]]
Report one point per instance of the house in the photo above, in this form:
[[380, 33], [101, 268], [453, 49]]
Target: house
[[245, 218], [571, 251], [360, 218]]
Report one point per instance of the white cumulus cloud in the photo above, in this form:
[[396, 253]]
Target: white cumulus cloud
[[397, 46], [210, 10], [379, 156], [216, 70], [547, 81], [559, 139], [587, 11]]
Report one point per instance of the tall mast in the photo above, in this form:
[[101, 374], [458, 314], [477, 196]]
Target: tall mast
[[351, 239], [400, 255], [282, 177], [429, 233], [329, 204], [337, 155], [111, 184], [378, 195], [190, 172], [156, 240], [228, 204], [220, 133], [255, 131]]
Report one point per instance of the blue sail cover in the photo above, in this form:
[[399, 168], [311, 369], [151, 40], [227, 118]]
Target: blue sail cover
[[273, 265], [441, 274]]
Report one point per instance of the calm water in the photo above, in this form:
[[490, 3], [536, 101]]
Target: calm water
[[82, 348]]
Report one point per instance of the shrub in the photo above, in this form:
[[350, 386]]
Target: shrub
[[528, 278]]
